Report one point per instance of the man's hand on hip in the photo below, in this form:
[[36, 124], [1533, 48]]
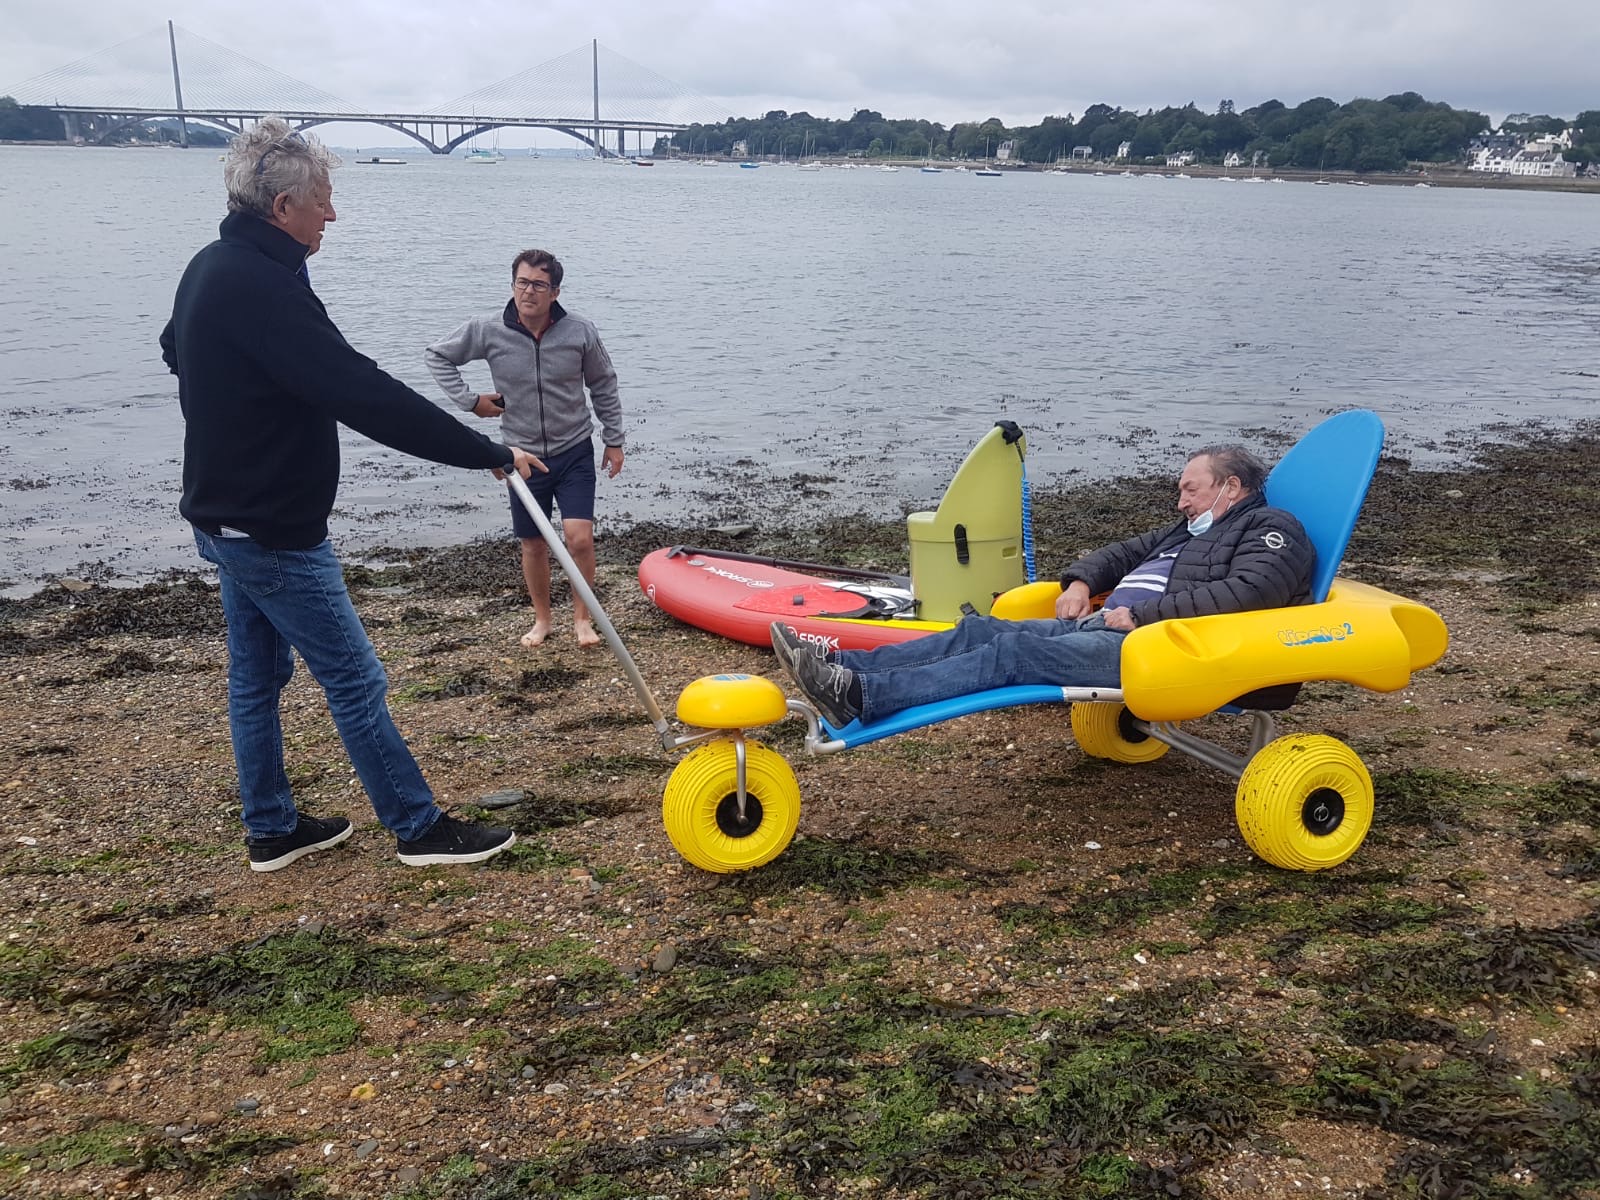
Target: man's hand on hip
[[490, 404]]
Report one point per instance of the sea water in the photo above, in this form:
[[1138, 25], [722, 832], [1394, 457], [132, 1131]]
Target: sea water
[[788, 340]]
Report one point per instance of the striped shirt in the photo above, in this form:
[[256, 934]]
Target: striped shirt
[[1147, 581]]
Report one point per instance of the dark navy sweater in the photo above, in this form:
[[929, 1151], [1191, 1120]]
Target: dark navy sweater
[[265, 379]]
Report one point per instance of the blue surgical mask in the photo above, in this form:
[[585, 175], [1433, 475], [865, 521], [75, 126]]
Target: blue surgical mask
[[1201, 523]]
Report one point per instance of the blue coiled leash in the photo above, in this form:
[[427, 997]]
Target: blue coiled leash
[[1013, 436], [1027, 521]]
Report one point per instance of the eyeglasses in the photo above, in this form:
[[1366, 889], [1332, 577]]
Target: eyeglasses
[[537, 286], [261, 163]]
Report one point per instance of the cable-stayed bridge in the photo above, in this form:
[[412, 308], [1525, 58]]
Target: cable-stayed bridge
[[173, 73]]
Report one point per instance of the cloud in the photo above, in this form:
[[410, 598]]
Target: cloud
[[945, 60]]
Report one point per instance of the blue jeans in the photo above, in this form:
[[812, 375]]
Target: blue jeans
[[278, 600], [982, 653]]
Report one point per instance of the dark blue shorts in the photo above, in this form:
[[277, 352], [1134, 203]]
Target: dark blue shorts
[[569, 486]]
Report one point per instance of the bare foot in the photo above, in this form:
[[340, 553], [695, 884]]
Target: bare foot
[[536, 635], [587, 637]]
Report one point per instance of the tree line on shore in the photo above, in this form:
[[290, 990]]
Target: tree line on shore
[[1318, 134]]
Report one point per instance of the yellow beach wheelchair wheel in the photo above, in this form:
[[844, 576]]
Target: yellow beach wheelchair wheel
[[700, 807], [1106, 731], [1305, 802]]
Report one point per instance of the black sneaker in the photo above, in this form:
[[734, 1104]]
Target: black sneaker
[[827, 685], [453, 841], [310, 835], [790, 646]]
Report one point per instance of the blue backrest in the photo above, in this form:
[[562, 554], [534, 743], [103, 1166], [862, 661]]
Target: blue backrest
[[1323, 481]]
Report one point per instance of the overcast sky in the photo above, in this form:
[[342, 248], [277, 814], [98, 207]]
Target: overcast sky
[[945, 60]]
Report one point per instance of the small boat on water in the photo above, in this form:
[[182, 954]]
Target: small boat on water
[[485, 157], [644, 162], [749, 166], [383, 162], [987, 171]]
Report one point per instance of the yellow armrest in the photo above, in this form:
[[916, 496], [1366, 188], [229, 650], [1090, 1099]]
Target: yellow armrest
[[1028, 602], [1184, 668]]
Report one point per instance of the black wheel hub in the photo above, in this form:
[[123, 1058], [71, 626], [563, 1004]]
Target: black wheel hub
[[1129, 732], [728, 815], [1323, 811]]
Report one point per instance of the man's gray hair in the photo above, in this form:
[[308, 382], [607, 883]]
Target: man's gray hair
[[1232, 459], [270, 159]]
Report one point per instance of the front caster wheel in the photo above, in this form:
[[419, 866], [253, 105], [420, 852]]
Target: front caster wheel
[[1105, 730], [700, 807], [1304, 802]]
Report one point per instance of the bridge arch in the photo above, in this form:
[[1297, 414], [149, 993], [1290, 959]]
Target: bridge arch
[[119, 122], [576, 133], [396, 126], [95, 126]]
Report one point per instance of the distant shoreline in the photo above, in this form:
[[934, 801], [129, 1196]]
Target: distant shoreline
[[1446, 176], [1450, 176]]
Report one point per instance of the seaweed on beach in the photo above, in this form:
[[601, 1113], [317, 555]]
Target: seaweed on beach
[[1525, 503]]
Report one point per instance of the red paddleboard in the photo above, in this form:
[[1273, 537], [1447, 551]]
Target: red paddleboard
[[740, 599]]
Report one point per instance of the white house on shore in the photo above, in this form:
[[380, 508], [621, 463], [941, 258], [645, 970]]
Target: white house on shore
[[1540, 157], [1546, 165], [1124, 149], [1181, 159]]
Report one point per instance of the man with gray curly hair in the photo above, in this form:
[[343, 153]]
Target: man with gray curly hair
[[276, 174], [265, 379]]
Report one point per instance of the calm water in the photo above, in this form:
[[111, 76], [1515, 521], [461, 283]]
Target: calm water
[[858, 325]]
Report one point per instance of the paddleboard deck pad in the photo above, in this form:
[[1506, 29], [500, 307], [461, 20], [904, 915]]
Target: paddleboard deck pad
[[740, 596]]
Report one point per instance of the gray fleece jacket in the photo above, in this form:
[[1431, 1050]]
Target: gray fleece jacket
[[540, 379]]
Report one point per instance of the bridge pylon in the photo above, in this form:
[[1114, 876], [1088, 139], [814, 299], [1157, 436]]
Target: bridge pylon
[[173, 74]]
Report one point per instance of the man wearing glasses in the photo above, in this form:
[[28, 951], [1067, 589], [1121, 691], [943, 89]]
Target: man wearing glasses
[[541, 357], [265, 379]]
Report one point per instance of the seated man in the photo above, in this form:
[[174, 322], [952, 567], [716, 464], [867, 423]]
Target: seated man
[[1230, 553]]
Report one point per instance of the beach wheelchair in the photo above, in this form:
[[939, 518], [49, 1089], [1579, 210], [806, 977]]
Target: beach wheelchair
[[1304, 801]]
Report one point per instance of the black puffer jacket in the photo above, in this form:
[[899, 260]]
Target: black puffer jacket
[[1252, 557]]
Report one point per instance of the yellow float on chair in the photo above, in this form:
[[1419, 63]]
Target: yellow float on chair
[[731, 702]]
